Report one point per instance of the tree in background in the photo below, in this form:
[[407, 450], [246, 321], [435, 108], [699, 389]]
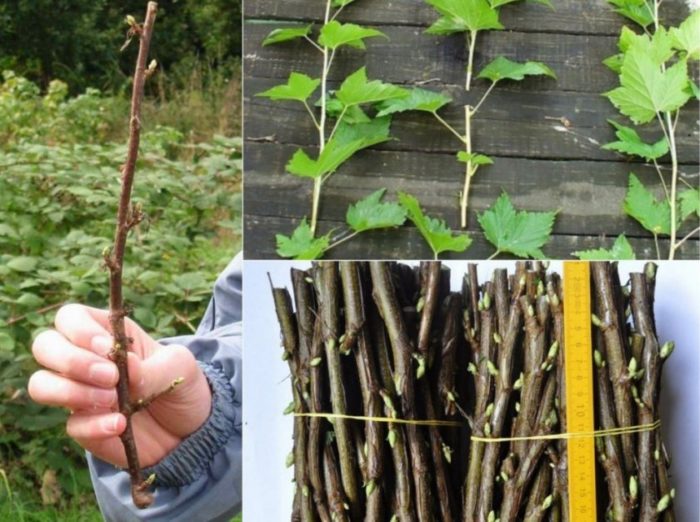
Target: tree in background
[[77, 40]]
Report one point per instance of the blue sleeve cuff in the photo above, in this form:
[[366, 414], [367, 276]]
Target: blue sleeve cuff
[[194, 454]]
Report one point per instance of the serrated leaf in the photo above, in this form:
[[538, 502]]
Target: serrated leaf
[[357, 90], [302, 244], [504, 69], [689, 203], [347, 140], [501, 3], [647, 90], [475, 158], [463, 15], [620, 251], [521, 233], [351, 115], [686, 37], [334, 35], [636, 10], [614, 62], [371, 213], [630, 143], [286, 34], [643, 206], [434, 231], [298, 87], [341, 3], [658, 47], [417, 100]]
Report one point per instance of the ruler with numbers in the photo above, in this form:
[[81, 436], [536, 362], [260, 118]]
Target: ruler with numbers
[[579, 390]]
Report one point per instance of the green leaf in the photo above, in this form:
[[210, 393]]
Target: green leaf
[[351, 115], [519, 232], [659, 46], [647, 90], [370, 213], [341, 3], [30, 300], [286, 34], [298, 87], [22, 263], [463, 15], [636, 10], [620, 251], [614, 62], [475, 158], [689, 202], [347, 140], [302, 244], [643, 206], [630, 143], [417, 100], [435, 231], [686, 37], [334, 35], [500, 3], [504, 69], [357, 90], [7, 343]]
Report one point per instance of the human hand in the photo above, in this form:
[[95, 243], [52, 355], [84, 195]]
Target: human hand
[[80, 376]]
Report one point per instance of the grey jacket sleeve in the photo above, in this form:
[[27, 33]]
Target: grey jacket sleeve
[[201, 479]]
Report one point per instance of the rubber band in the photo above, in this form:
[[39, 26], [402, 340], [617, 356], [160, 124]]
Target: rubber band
[[625, 430]]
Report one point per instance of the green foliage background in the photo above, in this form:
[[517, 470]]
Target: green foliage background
[[62, 142]]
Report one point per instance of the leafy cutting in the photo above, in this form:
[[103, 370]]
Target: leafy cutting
[[342, 120], [621, 250], [470, 17], [435, 231], [653, 72], [518, 232]]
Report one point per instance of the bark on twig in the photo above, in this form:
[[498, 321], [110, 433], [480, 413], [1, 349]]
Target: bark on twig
[[127, 217]]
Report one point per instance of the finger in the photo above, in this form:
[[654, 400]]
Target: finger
[[163, 367], [88, 426], [53, 351], [80, 324], [48, 388]]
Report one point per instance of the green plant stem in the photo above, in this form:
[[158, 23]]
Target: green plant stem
[[687, 237], [470, 61], [449, 127], [674, 184], [468, 169], [318, 182]]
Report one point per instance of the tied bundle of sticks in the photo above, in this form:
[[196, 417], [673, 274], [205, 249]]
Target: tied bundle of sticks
[[426, 369]]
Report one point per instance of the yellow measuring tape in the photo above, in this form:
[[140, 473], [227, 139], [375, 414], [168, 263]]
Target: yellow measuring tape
[[579, 390]]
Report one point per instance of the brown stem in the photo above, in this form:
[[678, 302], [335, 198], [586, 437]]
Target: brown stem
[[404, 377], [504, 386], [541, 488], [326, 278], [615, 354], [356, 326], [140, 493]]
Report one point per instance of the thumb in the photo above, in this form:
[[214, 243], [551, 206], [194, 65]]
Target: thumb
[[156, 373]]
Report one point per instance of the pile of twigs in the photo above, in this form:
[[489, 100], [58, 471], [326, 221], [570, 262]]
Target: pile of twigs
[[395, 345]]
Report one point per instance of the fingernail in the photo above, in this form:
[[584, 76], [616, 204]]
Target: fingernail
[[101, 345], [103, 397], [104, 374], [110, 424]]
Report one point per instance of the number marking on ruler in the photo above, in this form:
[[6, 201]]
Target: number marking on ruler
[[579, 390]]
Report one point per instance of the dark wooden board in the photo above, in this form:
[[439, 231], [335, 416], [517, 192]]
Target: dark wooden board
[[511, 123], [409, 56], [589, 198], [545, 135], [406, 243], [568, 17]]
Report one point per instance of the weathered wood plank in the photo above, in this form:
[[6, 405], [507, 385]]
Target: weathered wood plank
[[589, 196], [405, 243], [410, 56], [569, 16], [511, 123]]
